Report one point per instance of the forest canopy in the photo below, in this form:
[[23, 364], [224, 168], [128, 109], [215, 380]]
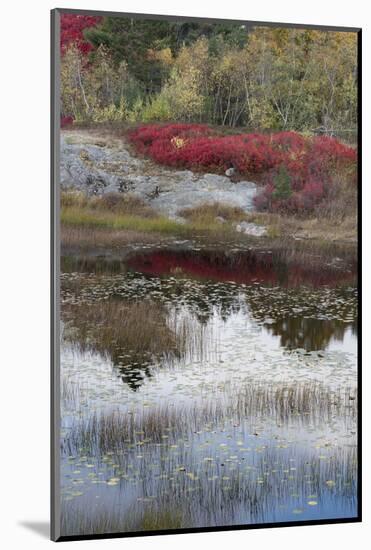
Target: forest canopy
[[228, 74]]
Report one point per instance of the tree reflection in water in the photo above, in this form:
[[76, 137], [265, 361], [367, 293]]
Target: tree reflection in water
[[309, 334], [199, 286]]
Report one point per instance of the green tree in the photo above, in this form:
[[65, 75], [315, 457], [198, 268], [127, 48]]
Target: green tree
[[282, 184]]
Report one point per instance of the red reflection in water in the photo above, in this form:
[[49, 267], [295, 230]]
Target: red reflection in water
[[241, 267]]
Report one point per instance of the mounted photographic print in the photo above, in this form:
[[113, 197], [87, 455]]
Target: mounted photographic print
[[205, 214]]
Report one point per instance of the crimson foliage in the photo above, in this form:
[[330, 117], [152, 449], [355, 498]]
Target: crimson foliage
[[66, 121], [310, 162], [72, 27]]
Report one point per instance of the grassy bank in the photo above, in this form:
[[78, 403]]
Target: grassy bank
[[118, 221], [316, 231], [108, 220], [126, 218], [94, 220]]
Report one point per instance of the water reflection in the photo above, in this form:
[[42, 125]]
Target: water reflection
[[190, 309], [310, 334], [266, 267], [283, 268], [206, 389]]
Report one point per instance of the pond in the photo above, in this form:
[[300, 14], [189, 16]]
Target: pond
[[206, 388]]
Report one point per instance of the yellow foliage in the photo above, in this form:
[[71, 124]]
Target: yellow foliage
[[178, 142]]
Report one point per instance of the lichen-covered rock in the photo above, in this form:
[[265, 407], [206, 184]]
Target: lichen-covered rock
[[96, 170]]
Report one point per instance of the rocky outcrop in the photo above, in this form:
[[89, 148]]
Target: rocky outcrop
[[96, 169]]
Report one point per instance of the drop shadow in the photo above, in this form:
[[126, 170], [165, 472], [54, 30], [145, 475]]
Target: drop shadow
[[42, 528]]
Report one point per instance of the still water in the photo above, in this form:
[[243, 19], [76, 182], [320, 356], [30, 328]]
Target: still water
[[239, 407]]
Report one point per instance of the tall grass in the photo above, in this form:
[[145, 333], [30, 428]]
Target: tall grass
[[307, 403], [85, 238], [244, 498], [171, 488], [113, 327], [110, 220], [77, 520], [116, 203], [113, 211], [207, 212]]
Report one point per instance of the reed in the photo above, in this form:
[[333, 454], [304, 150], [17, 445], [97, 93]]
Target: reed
[[114, 326], [303, 403]]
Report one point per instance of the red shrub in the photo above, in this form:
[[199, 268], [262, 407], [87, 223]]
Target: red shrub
[[197, 146], [312, 194], [310, 162], [72, 27], [66, 121], [299, 201], [145, 136]]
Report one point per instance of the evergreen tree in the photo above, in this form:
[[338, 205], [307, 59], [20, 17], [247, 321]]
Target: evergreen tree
[[282, 184]]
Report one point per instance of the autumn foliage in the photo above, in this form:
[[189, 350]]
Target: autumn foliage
[[242, 268], [309, 162], [72, 27], [66, 121]]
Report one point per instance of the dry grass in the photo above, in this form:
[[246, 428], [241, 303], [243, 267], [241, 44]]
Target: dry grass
[[334, 220], [307, 403], [340, 209], [116, 220], [114, 203], [99, 135], [127, 218], [122, 204], [113, 327], [108, 221], [319, 228], [207, 212], [77, 520], [85, 237]]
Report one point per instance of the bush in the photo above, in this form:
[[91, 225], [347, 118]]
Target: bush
[[203, 149], [66, 121], [296, 170], [282, 184]]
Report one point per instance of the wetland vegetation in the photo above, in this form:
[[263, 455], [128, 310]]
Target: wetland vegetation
[[195, 409], [208, 322]]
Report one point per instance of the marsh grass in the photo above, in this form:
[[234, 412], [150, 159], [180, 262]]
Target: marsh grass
[[128, 212], [331, 224], [109, 519], [70, 393], [172, 489], [84, 238], [207, 212], [340, 210], [303, 403], [113, 212], [139, 338], [182, 468], [96, 220], [115, 203], [81, 232], [110, 220], [115, 220], [332, 221], [114, 326]]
